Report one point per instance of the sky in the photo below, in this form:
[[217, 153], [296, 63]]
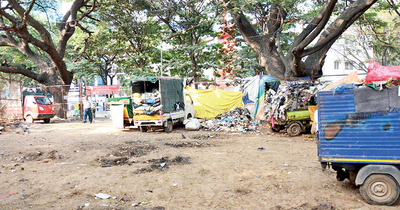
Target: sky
[[65, 7]]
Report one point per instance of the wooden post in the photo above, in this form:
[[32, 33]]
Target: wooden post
[[80, 101]]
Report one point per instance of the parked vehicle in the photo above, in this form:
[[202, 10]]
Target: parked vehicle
[[295, 122], [158, 102], [36, 106], [358, 137]]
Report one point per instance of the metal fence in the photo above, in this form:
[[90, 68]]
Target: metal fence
[[66, 100], [11, 99]]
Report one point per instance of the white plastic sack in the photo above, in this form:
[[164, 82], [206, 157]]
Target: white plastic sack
[[192, 125]]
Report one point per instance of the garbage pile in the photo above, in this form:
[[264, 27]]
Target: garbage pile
[[289, 96], [237, 119], [146, 103]]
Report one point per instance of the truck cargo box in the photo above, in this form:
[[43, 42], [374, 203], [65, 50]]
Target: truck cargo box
[[359, 126]]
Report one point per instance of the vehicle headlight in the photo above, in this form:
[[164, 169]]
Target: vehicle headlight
[[41, 108]]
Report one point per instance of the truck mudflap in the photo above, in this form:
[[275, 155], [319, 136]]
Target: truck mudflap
[[367, 170]]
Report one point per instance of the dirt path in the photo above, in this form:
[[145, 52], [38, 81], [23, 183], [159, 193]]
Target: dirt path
[[63, 165]]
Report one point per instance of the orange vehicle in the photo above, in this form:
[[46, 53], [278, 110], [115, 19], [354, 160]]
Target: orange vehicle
[[37, 107]]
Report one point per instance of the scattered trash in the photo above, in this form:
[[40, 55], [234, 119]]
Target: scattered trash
[[237, 119], [260, 148], [174, 185], [102, 196], [7, 193], [286, 164], [162, 164]]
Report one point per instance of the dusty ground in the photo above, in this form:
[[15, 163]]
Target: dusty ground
[[63, 165]]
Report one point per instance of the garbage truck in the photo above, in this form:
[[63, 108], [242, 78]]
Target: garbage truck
[[159, 102], [359, 137]]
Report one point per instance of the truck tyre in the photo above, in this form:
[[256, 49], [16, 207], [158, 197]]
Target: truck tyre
[[169, 127], [29, 119], [143, 128], [294, 129], [47, 120], [380, 189]]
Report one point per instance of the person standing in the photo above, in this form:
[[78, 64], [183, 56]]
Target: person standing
[[87, 107]]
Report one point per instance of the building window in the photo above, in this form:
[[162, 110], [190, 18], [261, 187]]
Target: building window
[[336, 65], [348, 65]]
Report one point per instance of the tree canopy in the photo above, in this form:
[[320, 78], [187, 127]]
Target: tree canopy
[[23, 31], [285, 39]]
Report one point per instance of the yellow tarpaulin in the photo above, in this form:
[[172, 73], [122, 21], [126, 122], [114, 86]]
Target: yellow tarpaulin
[[210, 103]]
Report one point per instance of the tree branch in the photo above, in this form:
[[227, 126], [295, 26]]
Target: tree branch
[[393, 5], [66, 31], [26, 13], [326, 13], [44, 34], [341, 23], [19, 70], [84, 48], [83, 15]]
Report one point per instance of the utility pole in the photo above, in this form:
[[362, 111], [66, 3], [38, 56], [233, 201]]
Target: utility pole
[[161, 60], [80, 101]]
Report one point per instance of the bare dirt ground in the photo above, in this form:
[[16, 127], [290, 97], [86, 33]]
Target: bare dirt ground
[[63, 165]]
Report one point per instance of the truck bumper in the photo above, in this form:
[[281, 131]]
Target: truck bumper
[[44, 116], [149, 123]]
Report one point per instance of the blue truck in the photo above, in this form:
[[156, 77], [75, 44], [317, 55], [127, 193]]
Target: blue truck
[[359, 137]]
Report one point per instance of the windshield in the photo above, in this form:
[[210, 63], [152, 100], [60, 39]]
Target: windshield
[[43, 100]]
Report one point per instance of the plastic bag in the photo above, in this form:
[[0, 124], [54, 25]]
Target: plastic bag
[[377, 72], [192, 125]]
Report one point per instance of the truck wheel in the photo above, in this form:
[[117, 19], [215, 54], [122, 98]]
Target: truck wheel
[[29, 119], [47, 120], [169, 127], [143, 128], [379, 189], [294, 129]]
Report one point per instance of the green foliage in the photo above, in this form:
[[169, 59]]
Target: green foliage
[[378, 31]]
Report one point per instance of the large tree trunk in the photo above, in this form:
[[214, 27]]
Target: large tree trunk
[[60, 103]]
